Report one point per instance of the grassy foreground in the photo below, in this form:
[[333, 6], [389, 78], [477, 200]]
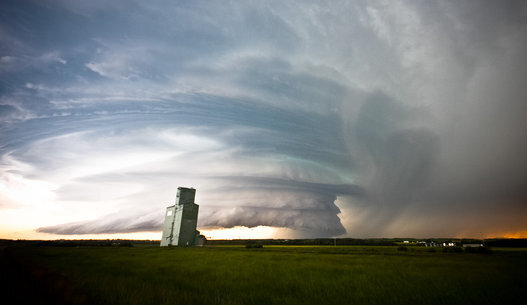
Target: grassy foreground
[[276, 275]]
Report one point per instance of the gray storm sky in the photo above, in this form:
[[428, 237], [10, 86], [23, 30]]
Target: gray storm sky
[[323, 118]]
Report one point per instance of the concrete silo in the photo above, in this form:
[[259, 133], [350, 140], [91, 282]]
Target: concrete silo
[[181, 219]]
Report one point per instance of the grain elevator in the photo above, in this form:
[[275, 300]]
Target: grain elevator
[[179, 228]]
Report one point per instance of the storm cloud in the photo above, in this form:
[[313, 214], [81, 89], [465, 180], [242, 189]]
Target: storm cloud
[[331, 119]]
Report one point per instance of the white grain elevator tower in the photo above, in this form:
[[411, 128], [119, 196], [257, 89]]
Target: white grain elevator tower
[[181, 219]]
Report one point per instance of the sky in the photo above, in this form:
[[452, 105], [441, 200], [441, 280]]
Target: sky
[[292, 119]]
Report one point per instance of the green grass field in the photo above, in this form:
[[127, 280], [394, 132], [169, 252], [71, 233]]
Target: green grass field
[[276, 275]]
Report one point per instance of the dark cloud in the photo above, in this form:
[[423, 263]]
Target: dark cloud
[[254, 201], [401, 155], [308, 222]]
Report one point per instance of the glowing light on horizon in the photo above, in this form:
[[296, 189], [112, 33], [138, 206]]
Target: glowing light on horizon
[[32, 235], [240, 232], [519, 234]]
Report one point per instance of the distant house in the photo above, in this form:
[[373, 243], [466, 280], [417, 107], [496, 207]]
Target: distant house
[[472, 245], [436, 244]]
